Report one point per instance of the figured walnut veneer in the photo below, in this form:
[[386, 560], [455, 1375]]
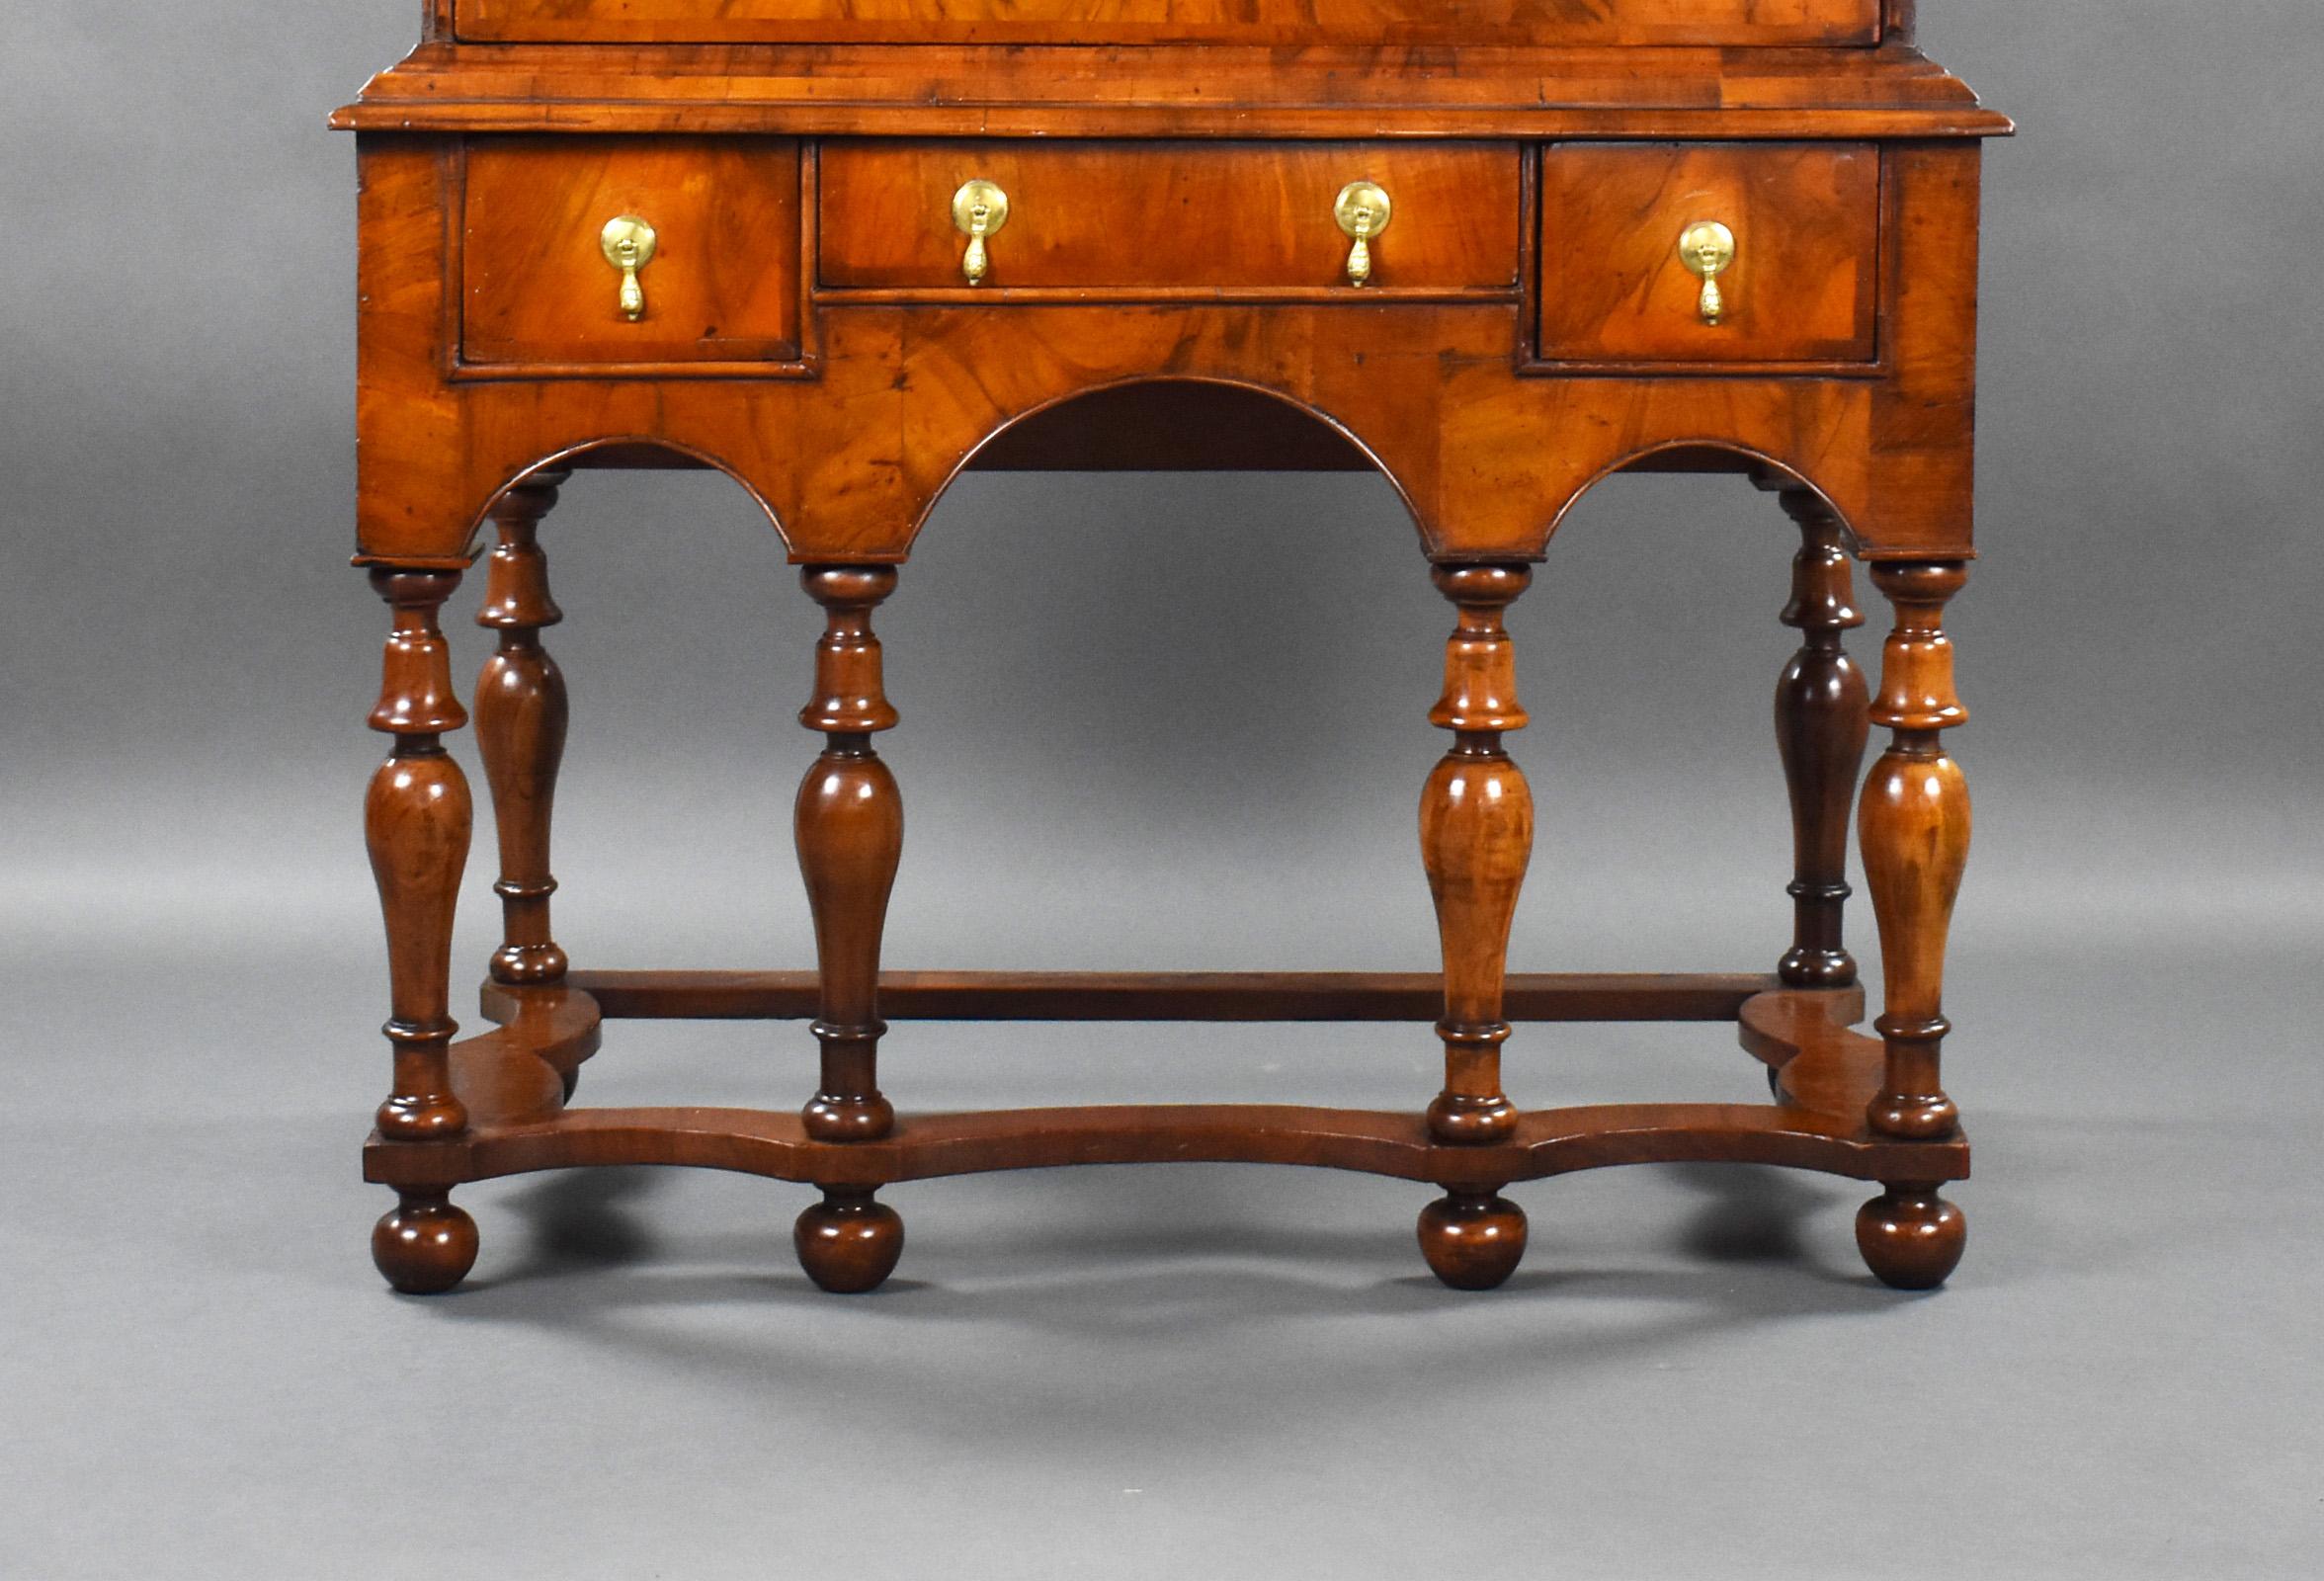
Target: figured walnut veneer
[[1107, 216], [1173, 286], [1803, 288], [531, 208], [1288, 22]]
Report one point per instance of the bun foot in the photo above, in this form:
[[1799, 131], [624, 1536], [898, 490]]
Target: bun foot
[[425, 1246], [848, 1243], [1911, 1238], [1472, 1240]]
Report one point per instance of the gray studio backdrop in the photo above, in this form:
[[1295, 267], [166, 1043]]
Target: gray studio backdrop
[[1165, 722]]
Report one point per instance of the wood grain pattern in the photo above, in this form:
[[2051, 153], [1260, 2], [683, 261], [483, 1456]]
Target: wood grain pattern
[[1547, 1142], [1832, 1074], [417, 816], [1914, 830], [1476, 839], [521, 720], [1573, 21], [524, 1068], [416, 821], [1176, 92], [723, 284], [1471, 1237], [1169, 292], [1821, 727], [849, 823], [849, 463], [1213, 216], [1247, 996], [1803, 285]]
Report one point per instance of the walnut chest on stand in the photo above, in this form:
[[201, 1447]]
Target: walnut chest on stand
[[842, 249]]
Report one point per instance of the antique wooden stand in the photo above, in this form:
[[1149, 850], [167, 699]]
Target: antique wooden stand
[[840, 249]]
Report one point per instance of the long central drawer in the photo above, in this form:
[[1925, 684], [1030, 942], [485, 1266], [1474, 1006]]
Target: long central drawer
[[1170, 216]]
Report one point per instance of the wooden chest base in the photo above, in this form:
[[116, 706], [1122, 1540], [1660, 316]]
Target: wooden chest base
[[845, 252]]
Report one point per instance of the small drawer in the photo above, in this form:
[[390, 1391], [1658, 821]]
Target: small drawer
[[1191, 218], [541, 283], [1802, 221]]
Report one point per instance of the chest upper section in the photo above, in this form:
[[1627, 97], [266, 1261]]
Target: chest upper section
[[1715, 22]]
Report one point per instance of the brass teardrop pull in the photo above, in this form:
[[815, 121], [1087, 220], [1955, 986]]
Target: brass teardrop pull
[[628, 245], [1362, 209], [980, 209], [1707, 248]]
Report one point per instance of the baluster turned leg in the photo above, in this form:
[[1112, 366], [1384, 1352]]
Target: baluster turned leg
[[849, 830], [416, 820], [1821, 723], [520, 716], [1915, 831], [1476, 836]]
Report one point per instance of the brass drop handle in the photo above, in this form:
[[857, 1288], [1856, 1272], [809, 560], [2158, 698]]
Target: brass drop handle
[[1707, 248], [629, 244], [1362, 209], [979, 211]]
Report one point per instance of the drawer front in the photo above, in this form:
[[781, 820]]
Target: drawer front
[[721, 284], [1170, 216], [1801, 284], [1259, 22]]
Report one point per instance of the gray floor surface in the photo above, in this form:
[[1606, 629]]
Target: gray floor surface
[[1162, 1373]]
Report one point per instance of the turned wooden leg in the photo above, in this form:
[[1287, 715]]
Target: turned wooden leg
[[416, 820], [1477, 835], [848, 1243], [521, 715], [1914, 826], [849, 829], [1821, 723]]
